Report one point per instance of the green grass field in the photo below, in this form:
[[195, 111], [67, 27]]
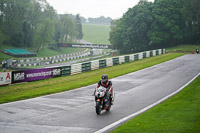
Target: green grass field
[[178, 114], [2, 55], [49, 52], [38, 88], [98, 34], [183, 48]]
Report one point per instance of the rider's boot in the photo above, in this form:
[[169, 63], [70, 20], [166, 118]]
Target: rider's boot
[[111, 99]]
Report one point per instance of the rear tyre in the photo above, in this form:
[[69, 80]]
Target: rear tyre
[[98, 108]]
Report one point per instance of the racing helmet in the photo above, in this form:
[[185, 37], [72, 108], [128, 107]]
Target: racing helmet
[[104, 78]]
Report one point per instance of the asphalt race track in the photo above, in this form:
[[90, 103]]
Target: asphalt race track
[[74, 111]]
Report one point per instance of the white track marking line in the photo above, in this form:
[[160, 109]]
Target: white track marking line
[[144, 109]]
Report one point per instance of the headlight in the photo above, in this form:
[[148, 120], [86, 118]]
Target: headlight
[[99, 94], [102, 94]]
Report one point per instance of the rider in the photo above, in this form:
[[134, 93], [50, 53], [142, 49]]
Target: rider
[[197, 50], [107, 84]]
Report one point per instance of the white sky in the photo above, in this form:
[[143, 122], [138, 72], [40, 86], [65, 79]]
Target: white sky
[[93, 8]]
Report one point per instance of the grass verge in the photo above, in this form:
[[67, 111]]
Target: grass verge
[[178, 114], [38, 88]]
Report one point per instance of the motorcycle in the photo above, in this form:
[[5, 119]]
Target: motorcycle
[[102, 100]]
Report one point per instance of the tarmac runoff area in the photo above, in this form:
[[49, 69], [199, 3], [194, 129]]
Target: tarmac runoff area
[[74, 111]]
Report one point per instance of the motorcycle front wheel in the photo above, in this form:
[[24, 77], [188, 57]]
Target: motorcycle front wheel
[[98, 108]]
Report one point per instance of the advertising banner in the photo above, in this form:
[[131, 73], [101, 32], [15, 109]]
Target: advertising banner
[[76, 45], [5, 78], [35, 74]]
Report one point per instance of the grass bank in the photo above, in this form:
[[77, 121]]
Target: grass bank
[[94, 33], [178, 114], [34, 89]]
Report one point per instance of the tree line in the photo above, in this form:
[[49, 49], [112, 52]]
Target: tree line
[[98, 20], [161, 24], [35, 24]]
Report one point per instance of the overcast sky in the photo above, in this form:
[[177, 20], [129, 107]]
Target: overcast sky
[[93, 8]]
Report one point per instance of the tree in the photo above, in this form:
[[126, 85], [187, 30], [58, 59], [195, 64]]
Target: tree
[[161, 24], [129, 34], [78, 27], [12, 17], [168, 26], [44, 34], [2, 38], [115, 34], [100, 20], [35, 24], [191, 13], [68, 29], [26, 29]]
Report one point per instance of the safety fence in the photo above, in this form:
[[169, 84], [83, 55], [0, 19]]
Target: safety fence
[[45, 73]]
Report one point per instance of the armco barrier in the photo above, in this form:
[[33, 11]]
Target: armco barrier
[[44, 73]]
